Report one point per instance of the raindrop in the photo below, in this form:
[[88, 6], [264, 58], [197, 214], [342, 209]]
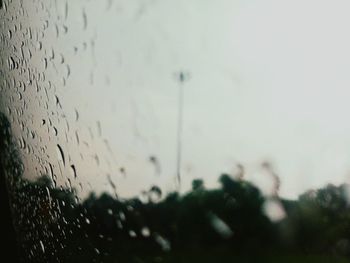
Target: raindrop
[[45, 63], [145, 232], [97, 159], [55, 131], [113, 186], [274, 210], [76, 114], [164, 243], [122, 216], [119, 224], [69, 183], [29, 53], [84, 45], [64, 29], [77, 137], [46, 24], [39, 45], [109, 4], [11, 63], [144, 198], [60, 154], [132, 233], [48, 195], [51, 171], [73, 171], [32, 133], [122, 171], [56, 30], [155, 194], [23, 143], [67, 71], [154, 160], [84, 20], [61, 59], [220, 226], [65, 10], [58, 103], [52, 54], [42, 246]]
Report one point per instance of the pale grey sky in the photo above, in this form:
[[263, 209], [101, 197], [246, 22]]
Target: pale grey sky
[[269, 81]]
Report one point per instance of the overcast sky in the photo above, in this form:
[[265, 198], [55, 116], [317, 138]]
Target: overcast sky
[[268, 81]]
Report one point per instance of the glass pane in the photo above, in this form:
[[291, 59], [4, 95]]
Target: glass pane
[[176, 131]]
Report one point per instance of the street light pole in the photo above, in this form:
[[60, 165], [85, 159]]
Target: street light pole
[[181, 77]]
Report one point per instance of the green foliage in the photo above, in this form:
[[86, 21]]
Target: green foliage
[[189, 227], [227, 224]]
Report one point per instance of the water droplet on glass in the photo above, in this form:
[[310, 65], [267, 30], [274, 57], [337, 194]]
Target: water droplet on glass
[[45, 63], [220, 226], [122, 171], [84, 20], [145, 232], [163, 242], [11, 63], [132, 233], [274, 210], [39, 45], [122, 216], [64, 29], [60, 154], [73, 171], [55, 131], [42, 246]]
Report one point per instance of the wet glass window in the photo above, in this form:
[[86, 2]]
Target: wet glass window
[[176, 130]]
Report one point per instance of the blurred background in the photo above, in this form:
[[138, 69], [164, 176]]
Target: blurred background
[[126, 124]]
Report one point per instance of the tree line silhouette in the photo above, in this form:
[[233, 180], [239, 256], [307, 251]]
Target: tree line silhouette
[[227, 224]]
